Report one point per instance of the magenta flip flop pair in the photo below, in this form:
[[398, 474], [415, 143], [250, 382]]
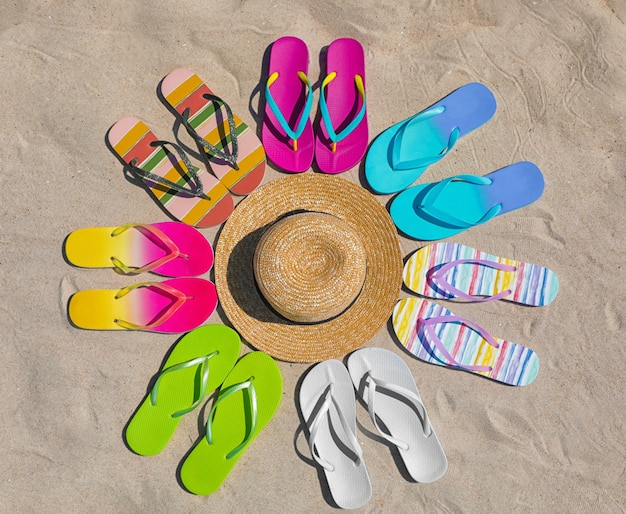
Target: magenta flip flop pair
[[170, 249], [339, 139]]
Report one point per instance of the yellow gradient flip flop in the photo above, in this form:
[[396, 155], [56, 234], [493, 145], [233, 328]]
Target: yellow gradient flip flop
[[197, 365], [247, 400]]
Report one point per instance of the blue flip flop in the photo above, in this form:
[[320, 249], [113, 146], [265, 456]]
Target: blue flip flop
[[442, 209], [400, 154]]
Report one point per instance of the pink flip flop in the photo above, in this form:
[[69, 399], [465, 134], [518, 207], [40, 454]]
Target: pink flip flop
[[234, 151], [287, 132], [341, 134], [170, 249], [171, 306], [189, 194]]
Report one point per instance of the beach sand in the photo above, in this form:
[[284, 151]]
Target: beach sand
[[558, 72]]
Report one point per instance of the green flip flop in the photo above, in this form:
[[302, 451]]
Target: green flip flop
[[247, 400], [197, 365]]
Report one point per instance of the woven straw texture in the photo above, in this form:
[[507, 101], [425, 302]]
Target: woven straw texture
[[249, 312]]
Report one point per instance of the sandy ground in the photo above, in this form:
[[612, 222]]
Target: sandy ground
[[558, 71]]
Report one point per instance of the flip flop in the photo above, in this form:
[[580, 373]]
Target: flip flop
[[170, 249], [400, 154], [341, 134], [451, 270], [433, 334], [175, 305], [385, 384], [234, 151], [442, 209], [287, 131], [197, 364], [247, 400], [188, 194], [328, 407]]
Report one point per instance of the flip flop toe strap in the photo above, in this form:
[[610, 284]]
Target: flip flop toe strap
[[427, 325], [438, 280], [250, 397], [232, 157], [332, 134], [203, 363], [177, 297], [195, 188], [375, 386], [397, 163], [304, 118], [314, 428], [428, 202], [155, 235]]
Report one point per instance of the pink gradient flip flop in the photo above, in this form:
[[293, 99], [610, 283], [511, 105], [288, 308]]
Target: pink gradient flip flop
[[342, 134], [233, 150], [171, 306], [171, 249], [188, 194], [287, 131]]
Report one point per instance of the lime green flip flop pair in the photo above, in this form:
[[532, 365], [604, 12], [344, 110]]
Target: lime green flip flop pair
[[248, 397]]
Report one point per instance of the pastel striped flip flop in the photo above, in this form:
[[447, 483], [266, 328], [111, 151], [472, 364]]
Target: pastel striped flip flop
[[433, 334], [187, 193], [287, 131], [171, 306], [245, 404], [197, 364], [171, 249], [341, 136], [451, 270], [233, 150]]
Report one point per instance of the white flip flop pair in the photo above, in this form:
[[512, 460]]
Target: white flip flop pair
[[385, 384]]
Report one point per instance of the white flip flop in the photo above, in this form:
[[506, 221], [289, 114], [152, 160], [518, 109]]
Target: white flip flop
[[384, 382], [328, 406]]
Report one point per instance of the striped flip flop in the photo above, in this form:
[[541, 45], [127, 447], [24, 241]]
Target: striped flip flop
[[451, 270], [189, 194], [234, 151], [433, 334]]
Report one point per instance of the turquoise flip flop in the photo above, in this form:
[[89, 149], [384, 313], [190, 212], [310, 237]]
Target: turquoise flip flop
[[442, 209], [400, 154]]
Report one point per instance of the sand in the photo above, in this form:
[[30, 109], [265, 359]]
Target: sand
[[558, 71]]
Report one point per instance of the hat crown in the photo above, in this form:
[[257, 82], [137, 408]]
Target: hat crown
[[310, 266]]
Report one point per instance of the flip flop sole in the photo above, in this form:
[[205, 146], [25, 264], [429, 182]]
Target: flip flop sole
[[130, 138], [185, 92], [152, 425]]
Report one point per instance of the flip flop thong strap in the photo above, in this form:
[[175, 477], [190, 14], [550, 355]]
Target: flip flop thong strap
[[314, 428], [428, 327], [334, 137], [177, 297], [195, 188], [155, 235], [428, 202], [398, 164], [440, 282], [232, 157], [284, 124], [203, 362], [250, 397], [380, 386]]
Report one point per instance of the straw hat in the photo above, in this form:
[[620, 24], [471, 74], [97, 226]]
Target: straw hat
[[308, 267]]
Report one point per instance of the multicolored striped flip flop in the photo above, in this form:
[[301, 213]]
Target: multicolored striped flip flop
[[190, 195], [171, 249], [234, 151], [171, 306], [450, 270], [433, 334]]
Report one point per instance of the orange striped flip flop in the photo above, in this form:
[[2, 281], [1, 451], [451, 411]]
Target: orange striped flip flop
[[189, 194], [234, 151]]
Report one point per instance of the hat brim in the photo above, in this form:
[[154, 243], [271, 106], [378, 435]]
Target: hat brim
[[246, 308]]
